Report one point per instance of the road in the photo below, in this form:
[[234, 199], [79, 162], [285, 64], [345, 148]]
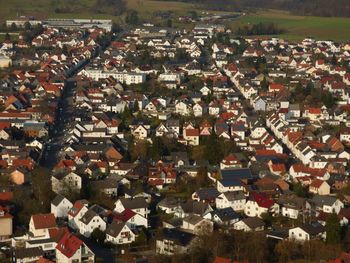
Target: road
[[65, 118]]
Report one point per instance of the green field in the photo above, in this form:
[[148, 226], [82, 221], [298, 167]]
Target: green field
[[10, 9], [298, 27]]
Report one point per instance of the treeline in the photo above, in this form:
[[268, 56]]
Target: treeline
[[298, 7], [259, 29]]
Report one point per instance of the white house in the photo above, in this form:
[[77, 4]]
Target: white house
[[307, 232], [259, 204], [90, 221], [119, 233], [60, 206], [250, 224], [236, 200], [137, 204]]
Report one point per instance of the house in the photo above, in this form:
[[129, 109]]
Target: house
[[173, 241], [192, 207], [197, 224], [62, 180], [236, 200], [132, 219], [40, 224], [76, 213], [19, 175], [327, 204], [27, 255], [91, 220], [60, 206], [71, 249], [6, 224], [140, 132], [258, 204], [119, 233], [162, 174], [191, 136], [230, 161], [319, 187], [293, 206], [233, 179], [250, 224], [206, 195], [137, 204], [224, 217], [307, 232], [108, 186], [35, 129]]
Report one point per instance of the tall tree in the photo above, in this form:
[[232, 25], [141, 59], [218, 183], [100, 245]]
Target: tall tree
[[333, 229]]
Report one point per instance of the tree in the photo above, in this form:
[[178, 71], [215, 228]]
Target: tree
[[132, 17], [99, 236], [333, 229], [7, 37], [202, 178], [42, 186]]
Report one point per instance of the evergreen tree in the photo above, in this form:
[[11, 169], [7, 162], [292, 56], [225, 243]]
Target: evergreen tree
[[333, 229]]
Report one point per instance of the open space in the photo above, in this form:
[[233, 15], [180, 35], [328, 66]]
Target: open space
[[298, 27]]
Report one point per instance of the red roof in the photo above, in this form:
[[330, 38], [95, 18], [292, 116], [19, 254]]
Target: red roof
[[314, 110], [78, 205], [6, 196], [69, 244], [5, 125], [262, 200], [192, 132], [125, 215], [43, 221], [316, 183], [43, 260], [222, 260]]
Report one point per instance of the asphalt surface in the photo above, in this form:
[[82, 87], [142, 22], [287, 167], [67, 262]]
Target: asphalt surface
[[58, 133]]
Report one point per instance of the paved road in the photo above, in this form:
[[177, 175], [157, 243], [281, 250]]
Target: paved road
[[65, 118]]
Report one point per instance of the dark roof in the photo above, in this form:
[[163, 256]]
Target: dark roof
[[233, 177], [114, 228], [207, 193], [194, 207], [57, 200], [134, 203], [313, 228], [21, 253], [253, 222], [178, 236], [226, 214]]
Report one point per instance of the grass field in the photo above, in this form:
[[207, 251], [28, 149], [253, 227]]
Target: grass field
[[44, 8], [298, 27]]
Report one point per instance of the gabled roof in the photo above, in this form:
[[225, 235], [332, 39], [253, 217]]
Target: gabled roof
[[43, 221], [262, 200], [124, 216], [69, 244], [178, 236], [114, 228]]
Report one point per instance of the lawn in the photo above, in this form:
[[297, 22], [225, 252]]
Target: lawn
[[298, 27]]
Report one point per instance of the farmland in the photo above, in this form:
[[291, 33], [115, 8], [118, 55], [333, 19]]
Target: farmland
[[298, 27]]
